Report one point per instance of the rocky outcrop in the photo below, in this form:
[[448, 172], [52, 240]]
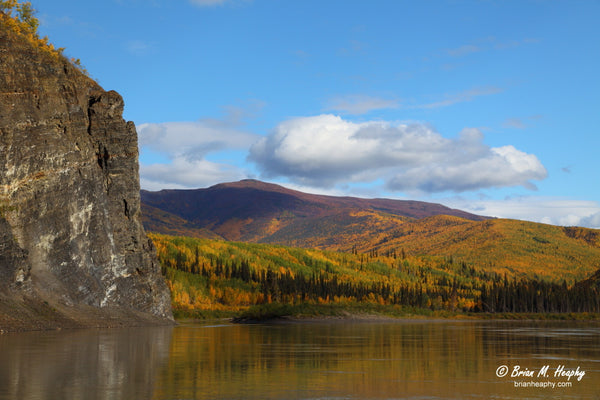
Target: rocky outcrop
[[73, 251]]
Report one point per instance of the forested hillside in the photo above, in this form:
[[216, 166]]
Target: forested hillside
[[519, 248], [207, 275], [257, 212], [348, 251]]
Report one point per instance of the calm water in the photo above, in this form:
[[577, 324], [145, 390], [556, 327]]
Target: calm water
[[313, 360]]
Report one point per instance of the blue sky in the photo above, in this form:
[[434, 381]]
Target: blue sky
[[488, 106]]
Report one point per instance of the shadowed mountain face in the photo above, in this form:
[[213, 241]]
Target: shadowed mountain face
[[255, 211]]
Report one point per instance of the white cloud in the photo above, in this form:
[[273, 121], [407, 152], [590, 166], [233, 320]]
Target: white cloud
[[359, 104], [326, 150], [592, 220], [498, 167], [182, 173], [174, 154], [548, 210], [192, 140]]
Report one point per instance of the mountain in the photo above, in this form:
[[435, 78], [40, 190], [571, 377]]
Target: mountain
[[255, 211], [73, 251]]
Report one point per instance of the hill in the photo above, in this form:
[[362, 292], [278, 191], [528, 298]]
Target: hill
[[256, 211], [504, 246], [207, 276]]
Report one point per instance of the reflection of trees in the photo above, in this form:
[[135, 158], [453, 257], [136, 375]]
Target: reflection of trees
[[82, 364], [362, 360]]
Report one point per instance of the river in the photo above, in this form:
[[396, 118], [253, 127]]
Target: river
[[408, 359]]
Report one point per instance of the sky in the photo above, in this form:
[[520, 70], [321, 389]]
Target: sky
[[491, 107]]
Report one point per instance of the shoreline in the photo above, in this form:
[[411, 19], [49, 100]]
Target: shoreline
[[362, 316], [408, 318], [377, 312], [283, 314]]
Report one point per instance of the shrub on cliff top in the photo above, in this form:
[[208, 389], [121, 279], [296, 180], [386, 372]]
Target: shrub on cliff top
[[24, 17], [20, 17]]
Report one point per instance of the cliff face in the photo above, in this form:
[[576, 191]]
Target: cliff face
[[73, 251]]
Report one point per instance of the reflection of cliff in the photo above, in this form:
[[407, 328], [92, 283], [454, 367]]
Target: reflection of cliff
[[83, 364], [72, 248]]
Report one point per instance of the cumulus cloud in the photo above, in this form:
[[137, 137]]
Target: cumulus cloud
[[591, 221], [360, 104], [182, 148], [497, 167], [326, 150], [192, 140], [182, 173]]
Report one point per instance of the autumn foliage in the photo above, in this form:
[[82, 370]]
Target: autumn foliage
[[210, 275], [19, 17]]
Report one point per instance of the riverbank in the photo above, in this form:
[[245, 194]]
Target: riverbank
[[273, 312], [364, 312], [32, 314]]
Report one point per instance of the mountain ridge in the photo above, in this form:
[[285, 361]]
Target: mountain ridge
[[252, 210], [366, 226]]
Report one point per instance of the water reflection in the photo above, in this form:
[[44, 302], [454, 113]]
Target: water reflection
[[338, 360], [372, 360], [82, 364]]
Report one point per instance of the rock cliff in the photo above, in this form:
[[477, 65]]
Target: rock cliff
[[73, 251]]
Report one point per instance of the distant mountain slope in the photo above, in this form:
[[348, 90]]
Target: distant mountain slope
[[255, 211], [157, 220]]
